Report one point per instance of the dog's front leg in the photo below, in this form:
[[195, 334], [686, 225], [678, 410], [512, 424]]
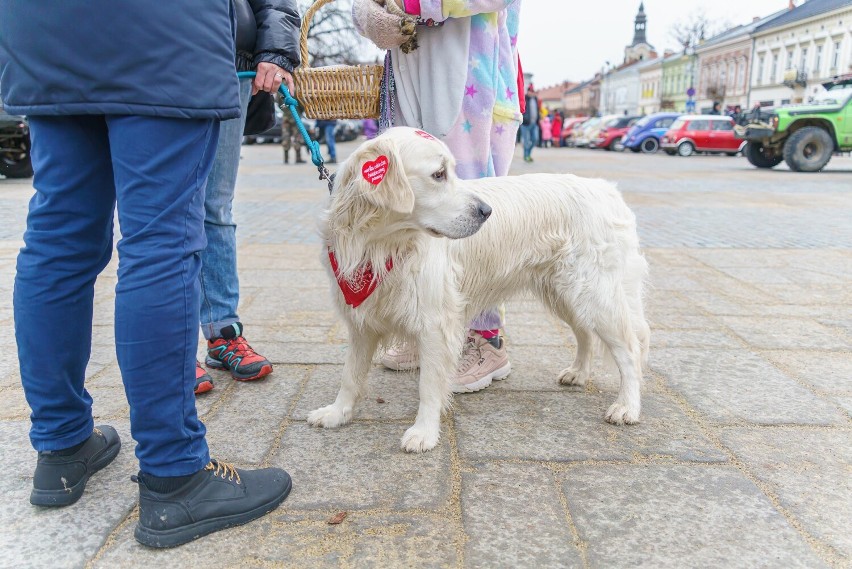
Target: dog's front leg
[[359, 356], [439, 353]]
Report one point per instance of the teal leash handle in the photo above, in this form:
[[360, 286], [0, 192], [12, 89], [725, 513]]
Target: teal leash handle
[[292, 106]]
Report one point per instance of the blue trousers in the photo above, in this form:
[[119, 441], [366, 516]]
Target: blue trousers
[[154, 171], [529, 136], [220, 284], [329, 140]]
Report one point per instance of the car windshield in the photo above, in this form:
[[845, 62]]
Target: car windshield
[[836, 95], [677, 124], [643, 121], [613, 122]]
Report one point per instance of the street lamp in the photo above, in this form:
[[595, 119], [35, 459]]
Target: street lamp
[[690, 93]]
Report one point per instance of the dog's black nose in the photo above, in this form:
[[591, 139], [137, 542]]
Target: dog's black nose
[[484, 210]]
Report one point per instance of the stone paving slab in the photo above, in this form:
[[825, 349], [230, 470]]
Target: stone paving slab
[[624, 514], [569, 426], [830, 372], [361, 466], [785, 333], [809, 470], [305, 541], [513, 516], [731, 386]]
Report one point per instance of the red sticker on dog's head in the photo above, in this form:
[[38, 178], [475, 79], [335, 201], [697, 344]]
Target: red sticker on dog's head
[[424, 134], [375, 170]]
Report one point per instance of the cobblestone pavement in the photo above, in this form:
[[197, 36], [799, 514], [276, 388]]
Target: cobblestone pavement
[[743, 457]]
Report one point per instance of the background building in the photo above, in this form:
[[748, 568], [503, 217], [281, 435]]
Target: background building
[[650, 77], [799, 49], [583, 100]]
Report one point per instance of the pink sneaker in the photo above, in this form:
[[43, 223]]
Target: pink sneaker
[[401, 357], [481, 364]]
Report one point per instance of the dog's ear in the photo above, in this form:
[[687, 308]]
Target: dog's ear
[[380, 177]]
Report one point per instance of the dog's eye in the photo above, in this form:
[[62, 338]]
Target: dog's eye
[[440, 175]]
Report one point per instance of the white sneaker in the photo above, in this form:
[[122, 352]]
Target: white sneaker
[[481, 364], [401, 357]]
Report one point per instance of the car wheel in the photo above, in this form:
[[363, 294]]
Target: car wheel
[[685, 149], [650, 145], [17, 162], [617, 144], [760, 156], [808, 149]]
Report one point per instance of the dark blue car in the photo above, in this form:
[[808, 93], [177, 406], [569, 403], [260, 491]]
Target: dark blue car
[[645, 135]]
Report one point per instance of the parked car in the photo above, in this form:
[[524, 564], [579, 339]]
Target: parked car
[[610, 137], [14, 146], [591, 129], [702, 133], [568, 127], [805, 136], [645, 135]]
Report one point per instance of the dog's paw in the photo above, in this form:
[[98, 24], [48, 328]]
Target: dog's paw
[[329, 417], [620, 414], [571, 376], [417, 439]]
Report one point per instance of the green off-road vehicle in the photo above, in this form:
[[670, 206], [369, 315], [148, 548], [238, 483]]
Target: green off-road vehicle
[[804, 135]]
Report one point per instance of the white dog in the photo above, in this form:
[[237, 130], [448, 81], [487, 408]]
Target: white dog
[[569, 241]]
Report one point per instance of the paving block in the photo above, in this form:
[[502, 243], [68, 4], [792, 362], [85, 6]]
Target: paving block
[[830, 372], [809, 470], [659, 516], [785, 333], [569, 426], [513, 517], [245, 428], [710, 339], [304, 541], [730, 386], [361, 466], [397, 390]]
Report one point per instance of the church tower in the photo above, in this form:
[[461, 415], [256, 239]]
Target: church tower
[[640, 48]]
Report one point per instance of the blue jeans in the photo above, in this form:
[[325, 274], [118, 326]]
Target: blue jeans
[[220, 285], [528, 138], [154, 169], [329, 140]]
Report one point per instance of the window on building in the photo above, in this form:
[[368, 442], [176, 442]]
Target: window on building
[[741, 83], [773, 77], [803, 66], [731, 72], [785, 102], [789, 59], [759, 77], [835, 58], [818, 62]]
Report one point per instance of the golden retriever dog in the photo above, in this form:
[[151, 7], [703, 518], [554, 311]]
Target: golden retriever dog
[[414, 253]]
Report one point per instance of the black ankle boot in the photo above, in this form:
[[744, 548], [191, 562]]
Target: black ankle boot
[[217, 497], [60, 477]]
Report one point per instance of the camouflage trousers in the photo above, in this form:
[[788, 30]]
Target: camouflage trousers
[[291, 138]]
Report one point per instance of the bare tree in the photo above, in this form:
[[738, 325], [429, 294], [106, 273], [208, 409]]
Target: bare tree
[[332, 38], [695, 28]]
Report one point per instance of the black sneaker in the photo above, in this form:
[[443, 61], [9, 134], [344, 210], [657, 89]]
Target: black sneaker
[[60, 479], [217, 497]]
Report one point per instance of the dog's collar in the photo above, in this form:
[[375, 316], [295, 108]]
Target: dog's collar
[[355, 293]]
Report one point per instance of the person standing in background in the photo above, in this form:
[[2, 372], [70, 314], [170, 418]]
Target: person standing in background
[[326, 127], [546, 126], [529, 126], [556, 129]]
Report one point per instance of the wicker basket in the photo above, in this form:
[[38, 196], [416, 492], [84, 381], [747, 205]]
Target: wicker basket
[[336, 91]]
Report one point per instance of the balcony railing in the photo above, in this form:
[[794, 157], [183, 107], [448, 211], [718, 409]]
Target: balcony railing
[[795, 78]]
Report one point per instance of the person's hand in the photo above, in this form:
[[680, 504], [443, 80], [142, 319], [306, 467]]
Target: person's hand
[[269, 77]]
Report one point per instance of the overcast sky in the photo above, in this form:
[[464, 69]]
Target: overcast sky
[[569, 39]]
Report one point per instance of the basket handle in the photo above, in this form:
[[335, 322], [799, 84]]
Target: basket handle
[[306, 25]]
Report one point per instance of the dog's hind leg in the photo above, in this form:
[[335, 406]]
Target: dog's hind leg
[[359, 356], [579, 371], [439, 352], [612, 323]]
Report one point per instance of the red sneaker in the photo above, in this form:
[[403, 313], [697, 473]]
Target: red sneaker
[[235, 355], [203, 381]]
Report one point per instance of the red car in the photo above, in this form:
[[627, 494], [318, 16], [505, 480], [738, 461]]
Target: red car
[[611, 135], [568, 128], [701, 133]]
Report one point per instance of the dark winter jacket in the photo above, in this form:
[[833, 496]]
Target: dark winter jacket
[[171, 59], [267, 31], [531, 112]]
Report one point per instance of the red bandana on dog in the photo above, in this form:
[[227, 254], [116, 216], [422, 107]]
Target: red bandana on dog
[[374, 171], [364, 285]]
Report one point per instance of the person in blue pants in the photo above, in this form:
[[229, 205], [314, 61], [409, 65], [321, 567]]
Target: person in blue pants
[[130, 130], [327, 128]]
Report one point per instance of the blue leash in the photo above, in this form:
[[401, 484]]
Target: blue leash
[[291, 103]]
